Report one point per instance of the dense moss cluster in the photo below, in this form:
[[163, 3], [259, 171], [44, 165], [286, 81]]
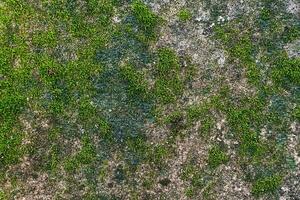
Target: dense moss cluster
[[91, 95], [169, 83]]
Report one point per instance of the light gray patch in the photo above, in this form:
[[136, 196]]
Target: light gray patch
[[293, 49], [293, 6]]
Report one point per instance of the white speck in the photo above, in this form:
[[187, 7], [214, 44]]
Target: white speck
[[293, 127], [293, 7], [221, 60], [116, 19], [221, 19]]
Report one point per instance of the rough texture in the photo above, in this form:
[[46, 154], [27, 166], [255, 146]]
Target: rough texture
[[113, 99]]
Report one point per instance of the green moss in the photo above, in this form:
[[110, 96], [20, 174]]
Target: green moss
[[296, 112], [14, 79], [247, 115], [253, 74], [265, 14], [258, 48], [53, 158], [10, 149], [251, 146], [158, 155], [85, 156], [146, 19], [287, 72], [148, 183], [266, 185], [167, 90], [11, 105], [87, 153], [240, 47], [70, 165], [200, 184], [198, 112], [105, 128], [189, 192], [168, 63], [184, 15], [206, 125], [78, 75], [208, 191], [216, 157], [45, 39], [188, 171], [49, 70], [86, 110], [136, 82], [144, 15], [197, 180], [103, 10], [224, 34], [36, 64], [103, 170], [92, 120], [243, 49], [138, 147], [169, 84], [291, 33], [2, 195]]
